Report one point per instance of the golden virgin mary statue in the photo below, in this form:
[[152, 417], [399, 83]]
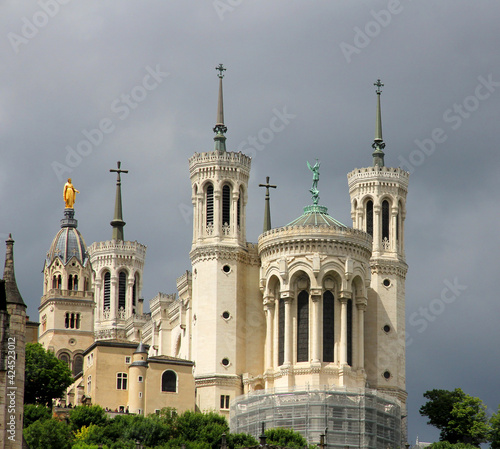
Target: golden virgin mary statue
[[69, 194]]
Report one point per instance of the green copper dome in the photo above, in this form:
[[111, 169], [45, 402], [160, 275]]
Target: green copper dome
[[316, 216]]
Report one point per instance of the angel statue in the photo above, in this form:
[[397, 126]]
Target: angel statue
[[314, 189]]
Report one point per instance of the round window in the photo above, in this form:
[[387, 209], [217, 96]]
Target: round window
[[226, 268], [226, 315], [387, 328], [387, 282], [387, 374], [225, 361]]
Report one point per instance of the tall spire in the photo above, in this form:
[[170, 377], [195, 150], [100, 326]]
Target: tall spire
[[378, 143], [267, 207], [12, 294], [220, 128], [117, 221]]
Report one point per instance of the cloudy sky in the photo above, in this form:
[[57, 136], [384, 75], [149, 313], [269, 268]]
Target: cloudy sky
[[135, 82]]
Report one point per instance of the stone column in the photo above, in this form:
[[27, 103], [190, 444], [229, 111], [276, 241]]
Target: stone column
[[113, 297], [198, 223], [287, 296], [344, 296], [128, 298], [269, 312], [98, 298], [234, 214], [361, 307], [377, 227], [217, 213], [316, 327], [394, 226]]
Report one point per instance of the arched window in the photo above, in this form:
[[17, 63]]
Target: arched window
[[122, 289], [169, 381], [75, 282], [226, 205], [70, 282], [385, 220], [210, 205], [328, 326], [238, 211], [59, 281], [349, 332], [107, 291], [303, 327], [121, 381], [281, 332], [54, 281], [64, 358], [369, 217], [77, 364]]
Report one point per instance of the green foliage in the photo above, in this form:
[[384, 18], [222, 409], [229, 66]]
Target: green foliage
[[48, 434], [46, 376], [460, 418], [285, 438], [235, 440], [34, 413], [494, 436], [448, 445], [83, 415]]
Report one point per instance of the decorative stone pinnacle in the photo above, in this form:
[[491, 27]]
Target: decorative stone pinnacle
[[378, 143], [220, 128]]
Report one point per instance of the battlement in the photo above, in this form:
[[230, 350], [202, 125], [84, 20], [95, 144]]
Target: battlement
[[378, 173], [117, 247], [199, 160]]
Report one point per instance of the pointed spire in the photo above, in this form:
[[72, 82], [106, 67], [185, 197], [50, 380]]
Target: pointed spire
[[378, 143], [267, 207], [220, 128], [12, 294], [118, 222]]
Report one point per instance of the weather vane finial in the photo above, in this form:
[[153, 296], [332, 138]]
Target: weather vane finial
[[379, 85], [221, 70]]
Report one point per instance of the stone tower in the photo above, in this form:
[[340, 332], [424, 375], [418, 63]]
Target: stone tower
[[226, 311], [118, 267], [12, 341], [378, 207], [66, 311]]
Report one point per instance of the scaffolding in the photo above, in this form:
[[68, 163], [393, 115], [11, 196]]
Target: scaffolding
[[352, 418]]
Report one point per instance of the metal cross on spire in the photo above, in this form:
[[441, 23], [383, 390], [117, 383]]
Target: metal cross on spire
[[118, 171], [379, 86], [221, 70], [267, 208]]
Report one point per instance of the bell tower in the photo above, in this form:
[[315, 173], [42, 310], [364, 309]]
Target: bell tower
[[378, 207], [118, 266], [224, 267]]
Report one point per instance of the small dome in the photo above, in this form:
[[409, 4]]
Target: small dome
[[68, 242], [316, 216]]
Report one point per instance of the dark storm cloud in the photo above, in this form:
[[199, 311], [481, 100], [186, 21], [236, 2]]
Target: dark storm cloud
[[68, 68]]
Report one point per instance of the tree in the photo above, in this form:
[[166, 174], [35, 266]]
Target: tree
[[84, 415], [460, 418], [495, 430], [48, 434], [46, 376], [285, 438], [35, 412]]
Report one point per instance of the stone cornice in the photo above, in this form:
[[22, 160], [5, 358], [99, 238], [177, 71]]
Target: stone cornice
[[218, 380], [384, 266], [201, 160], [297, 240], [117, 248], [219, 251]]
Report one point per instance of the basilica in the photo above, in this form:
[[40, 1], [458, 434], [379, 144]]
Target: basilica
[[304, 329]]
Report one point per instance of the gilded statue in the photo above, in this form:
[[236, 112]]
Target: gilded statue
[[69, 194]]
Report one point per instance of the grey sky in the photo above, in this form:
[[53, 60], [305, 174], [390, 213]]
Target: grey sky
[[66, 70]]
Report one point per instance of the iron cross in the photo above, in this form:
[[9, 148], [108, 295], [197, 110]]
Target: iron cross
[[118, 171], [379, 85], [267, 186], [221, 70]]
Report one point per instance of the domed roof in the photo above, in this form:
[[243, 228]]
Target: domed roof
[[315, 215], [68, 242]]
